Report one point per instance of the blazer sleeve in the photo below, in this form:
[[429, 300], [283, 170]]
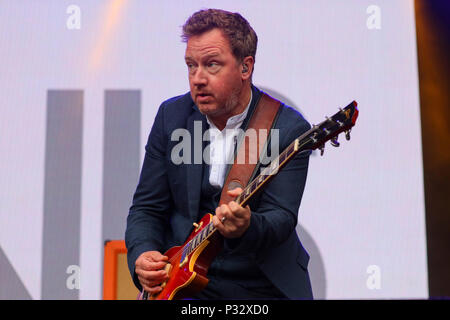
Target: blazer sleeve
[[152, 202], [275, 217]]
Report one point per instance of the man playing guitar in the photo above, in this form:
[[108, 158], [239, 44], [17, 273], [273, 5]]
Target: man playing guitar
[[262, 257]]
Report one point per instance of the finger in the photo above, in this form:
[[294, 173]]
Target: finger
[[144, 282], [150, 284], [220, 213], [238, 211], [226, 214], [153, 283], [159, 275], [156, 256], [154, 290], [218, 224], [152, 274], [235, 192], [229, 221], [151, 265], [234, 212]]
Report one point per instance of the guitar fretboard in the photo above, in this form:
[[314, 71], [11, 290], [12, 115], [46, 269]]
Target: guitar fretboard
[[267, 173], [195, 242]]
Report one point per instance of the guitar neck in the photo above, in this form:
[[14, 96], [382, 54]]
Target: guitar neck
[[267, 173]]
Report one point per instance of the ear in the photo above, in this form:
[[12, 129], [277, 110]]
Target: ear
[[247, 67]]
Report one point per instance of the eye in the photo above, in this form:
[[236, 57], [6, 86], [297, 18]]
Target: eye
[[191, 66], [213, 66]]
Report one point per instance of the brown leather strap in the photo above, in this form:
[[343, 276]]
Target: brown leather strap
[[262, 118]]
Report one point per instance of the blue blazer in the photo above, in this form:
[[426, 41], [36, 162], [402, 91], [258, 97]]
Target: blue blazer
[[166, 201]]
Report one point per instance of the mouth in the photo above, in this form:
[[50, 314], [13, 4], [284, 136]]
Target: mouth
[[203, 97], [203, 94]]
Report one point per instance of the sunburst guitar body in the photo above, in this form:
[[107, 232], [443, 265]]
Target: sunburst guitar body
[[188, 264]]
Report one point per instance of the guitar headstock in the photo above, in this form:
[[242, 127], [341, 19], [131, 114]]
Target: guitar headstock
[[329, 129], [312, 139]]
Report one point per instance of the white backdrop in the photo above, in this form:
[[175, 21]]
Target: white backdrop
[[362, 216]]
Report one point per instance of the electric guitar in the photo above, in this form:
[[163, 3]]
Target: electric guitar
[[188, 264]]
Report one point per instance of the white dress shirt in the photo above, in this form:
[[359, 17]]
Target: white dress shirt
[[222, 146]]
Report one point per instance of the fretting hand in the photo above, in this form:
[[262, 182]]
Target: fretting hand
[[232, 220]]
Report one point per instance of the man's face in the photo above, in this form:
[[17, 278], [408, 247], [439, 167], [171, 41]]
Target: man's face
[[214, 74]]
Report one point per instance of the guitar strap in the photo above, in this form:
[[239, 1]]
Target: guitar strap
[[244, 166]]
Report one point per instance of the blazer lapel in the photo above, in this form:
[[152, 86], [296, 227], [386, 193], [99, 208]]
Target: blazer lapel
[[196, 125]]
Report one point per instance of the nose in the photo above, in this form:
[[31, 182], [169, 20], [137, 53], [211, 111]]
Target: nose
[[199, 77]]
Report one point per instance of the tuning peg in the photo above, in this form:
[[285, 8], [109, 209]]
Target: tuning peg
[[347, 134], [334, 142], [322, 149]]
